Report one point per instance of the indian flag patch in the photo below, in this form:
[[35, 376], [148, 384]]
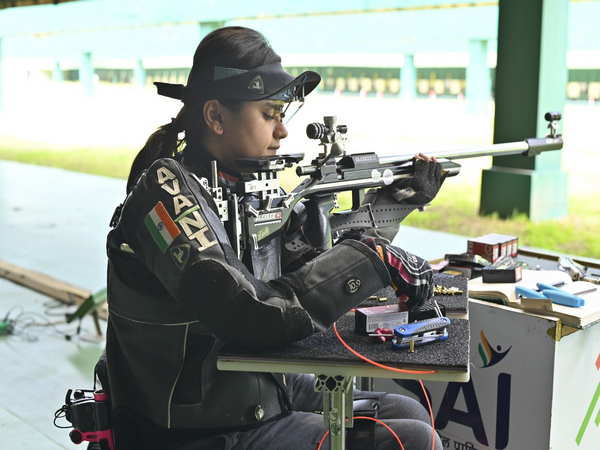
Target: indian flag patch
[[161, 226]]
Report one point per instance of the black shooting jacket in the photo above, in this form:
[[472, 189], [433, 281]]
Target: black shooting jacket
[[177, 293]]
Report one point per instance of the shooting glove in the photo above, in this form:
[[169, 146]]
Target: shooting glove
[[411, 276], [422, 186]]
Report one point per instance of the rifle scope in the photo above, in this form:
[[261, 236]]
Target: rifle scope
[[319, 131]]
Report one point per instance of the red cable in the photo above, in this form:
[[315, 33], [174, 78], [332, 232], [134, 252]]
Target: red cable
[[364, 358], [430, 414], [374, 420], [322, 439], [385, 425]]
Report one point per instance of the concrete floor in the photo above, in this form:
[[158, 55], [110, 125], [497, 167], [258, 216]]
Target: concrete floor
[[55, 222]]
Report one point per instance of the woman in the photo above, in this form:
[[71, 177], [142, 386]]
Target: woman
[[177, 290]]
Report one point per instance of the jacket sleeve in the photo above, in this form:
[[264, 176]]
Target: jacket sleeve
[[170, 223]]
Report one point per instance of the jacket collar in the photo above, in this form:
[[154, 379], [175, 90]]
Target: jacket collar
[[195, 158]]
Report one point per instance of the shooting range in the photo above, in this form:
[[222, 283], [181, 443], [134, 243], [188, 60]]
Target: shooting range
[[435, 76]]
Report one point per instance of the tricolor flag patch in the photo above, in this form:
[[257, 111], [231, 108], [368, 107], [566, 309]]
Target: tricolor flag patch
[[161, 226]]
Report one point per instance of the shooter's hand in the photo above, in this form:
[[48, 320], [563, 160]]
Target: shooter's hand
[[411, 276], [423, 185]]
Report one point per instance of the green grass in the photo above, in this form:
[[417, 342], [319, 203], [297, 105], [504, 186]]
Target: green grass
[[107, 161], [454, 210]]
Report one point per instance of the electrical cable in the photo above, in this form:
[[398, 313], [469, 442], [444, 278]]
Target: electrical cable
[[374, 420], [430, 414], [25, 320], [364, 358], [55, 305], [61, 414], [10, 310]]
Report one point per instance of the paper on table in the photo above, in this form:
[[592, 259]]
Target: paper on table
[[579, 317], [505, 292]]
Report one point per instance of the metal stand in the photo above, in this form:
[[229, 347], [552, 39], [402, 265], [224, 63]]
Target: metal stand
[[337, 407], [366, 383], [91, 337]]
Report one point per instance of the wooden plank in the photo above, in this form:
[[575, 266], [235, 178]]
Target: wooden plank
[[103, 311], [44, 284]]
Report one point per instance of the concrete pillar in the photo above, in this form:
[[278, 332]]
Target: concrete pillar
[[86, 74], [479, 84], [139, 74], [57, 73], [408, 78], [531, 77]]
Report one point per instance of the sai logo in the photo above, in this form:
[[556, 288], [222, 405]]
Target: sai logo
[[489, 356]]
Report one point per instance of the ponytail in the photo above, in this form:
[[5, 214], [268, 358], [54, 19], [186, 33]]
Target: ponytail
[[163, 143]]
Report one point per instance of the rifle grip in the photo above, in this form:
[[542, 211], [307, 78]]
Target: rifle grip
[[317, 229]]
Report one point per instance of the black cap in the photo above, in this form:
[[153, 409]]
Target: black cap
[[268, 81]]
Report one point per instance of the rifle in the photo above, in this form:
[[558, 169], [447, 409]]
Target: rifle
[[267, 214]]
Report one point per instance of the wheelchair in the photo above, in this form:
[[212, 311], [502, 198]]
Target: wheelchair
[[90, 414]]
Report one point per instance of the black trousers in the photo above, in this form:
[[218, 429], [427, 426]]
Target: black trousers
[[304, 429]]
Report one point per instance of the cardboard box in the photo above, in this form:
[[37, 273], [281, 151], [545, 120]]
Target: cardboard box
[[367, 320], [485, 247], [507, 245], [463, 269], [512, 243], [503, 243], [510, 274]]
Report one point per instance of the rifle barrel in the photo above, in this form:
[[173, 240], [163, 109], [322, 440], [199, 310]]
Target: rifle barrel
[[509, 148]]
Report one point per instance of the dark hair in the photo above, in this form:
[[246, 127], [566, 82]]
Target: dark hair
[[234, 47]]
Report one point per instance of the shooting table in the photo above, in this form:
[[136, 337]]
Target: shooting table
[[335, 366], [535, 381]]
